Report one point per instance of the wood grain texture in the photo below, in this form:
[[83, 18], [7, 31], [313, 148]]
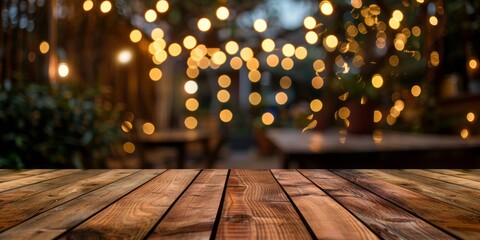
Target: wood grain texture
[[22, 174], [16, 212], [447, 178], [4, 186], [462, 223], [60, 219], [193, 216], [255, 207], [134, 215], [27, 191], [383, 218], [467, 174], [327, 218]]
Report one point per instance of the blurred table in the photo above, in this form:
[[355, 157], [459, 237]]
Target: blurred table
[[173, 138], [331, 149]]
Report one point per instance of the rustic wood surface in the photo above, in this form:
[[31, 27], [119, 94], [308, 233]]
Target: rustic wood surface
[[240, 204]]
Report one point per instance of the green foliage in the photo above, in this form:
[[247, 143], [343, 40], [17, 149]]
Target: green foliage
[[44, 126]]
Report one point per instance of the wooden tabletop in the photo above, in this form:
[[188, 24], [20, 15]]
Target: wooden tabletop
[[243, 204]]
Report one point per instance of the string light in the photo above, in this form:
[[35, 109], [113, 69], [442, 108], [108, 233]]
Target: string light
[[150, 15], [162, 6], [222, 13], [148, 128], [44, 47], [260, 25], [105, 6], [326, 8], [63, 70], [87, 5], [204, 24]]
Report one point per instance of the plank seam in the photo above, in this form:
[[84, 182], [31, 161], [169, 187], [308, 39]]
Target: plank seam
[[424, 176], [171, 206], [216, 223], [82, 170]]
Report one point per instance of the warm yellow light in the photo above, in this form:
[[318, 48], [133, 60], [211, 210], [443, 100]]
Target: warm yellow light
[[254, 76], [416, 90], [135, 36], [473, 63], [394, 23], [470, 117], [285, 82], [191, 104], [311, 37], [127, 126], [398, 15], [189, 42], [399, 44], [44, 47], [190, 122], [316, 105], [356, 3], [63, 70], [223, 96], [268, 118], [268, 45], [219, 58], [191, 87], [236, 63], [148, 128], [224, 81], [87, 5], [129, 147], [192, 72], [288, 50], [319, 65], [246, 53], [377, 81], [157, 33], [124, 56], [254, 98], [174, 49], [106, 6], [420, 1], [399, 105], [155, 74], [204, 24], [226, 115], [317, 82], [394, 60], [272, 60], [222, 13], [150, 15], [162, 6], [160, 56], [287, 63], [377, 116], [309, 22], [326, 8], [260, 25], [416, 31], [231, 47], [433, 20], [464, 133], [253, 64], [330, 42], [344, 113], [301, 53], [434, 58], [281, 98]]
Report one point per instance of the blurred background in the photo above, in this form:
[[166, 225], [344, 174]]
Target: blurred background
[[232, 84]]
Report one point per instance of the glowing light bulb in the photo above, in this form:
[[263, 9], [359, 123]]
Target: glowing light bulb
[[222, 13], [204, 24]]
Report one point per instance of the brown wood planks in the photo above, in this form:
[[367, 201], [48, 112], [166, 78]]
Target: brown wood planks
[[60, 219], [384, 218], [255, 207], [446, 178], [327, 218], [193, 216], [4, 186], [134, 215], [462, 223], [19, 211], [472, 175], [22, 174]]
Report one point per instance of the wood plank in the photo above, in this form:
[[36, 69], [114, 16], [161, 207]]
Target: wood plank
[[133, 216], [457, 221], [327, 218], [4, 186], [384, 218], [458, 173], [16, 212], [60, 219], [194, 214], [446, 178], [255, 207], [27, 191], [22, 174]]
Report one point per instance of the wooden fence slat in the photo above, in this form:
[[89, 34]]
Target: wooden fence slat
[[255, 207], [58, 220], [327, 218], [22, 174], [134, 215], [4, 186], [193, 216], [475, 176], [14, 213], [384, 218], [462, 223], [446, 178]]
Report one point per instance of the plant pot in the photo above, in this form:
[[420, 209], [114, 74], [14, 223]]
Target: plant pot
[[361, 118]]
